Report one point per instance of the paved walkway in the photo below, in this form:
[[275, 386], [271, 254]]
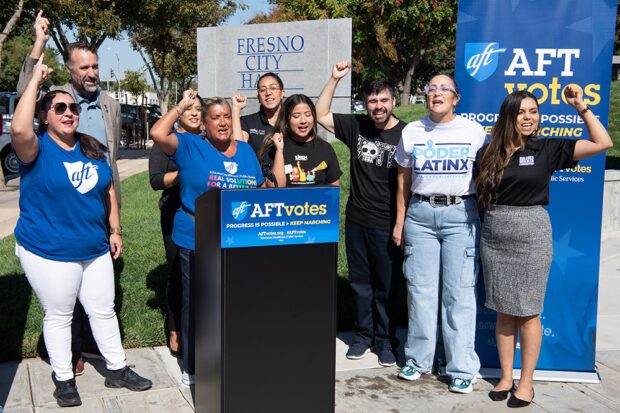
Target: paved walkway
[[361, 386]]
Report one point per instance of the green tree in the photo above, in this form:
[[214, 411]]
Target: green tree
[[91, 21], [391, 38], [134, 83], [16, 49], [164, 33]]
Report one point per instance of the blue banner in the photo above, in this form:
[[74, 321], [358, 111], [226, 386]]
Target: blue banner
[[288, 216], [544, 46]]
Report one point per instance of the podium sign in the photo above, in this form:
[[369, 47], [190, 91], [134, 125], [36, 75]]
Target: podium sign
[[265, 297], [280, 217]]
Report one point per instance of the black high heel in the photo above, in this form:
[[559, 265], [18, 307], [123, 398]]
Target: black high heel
[[499, 395], [515, 402]]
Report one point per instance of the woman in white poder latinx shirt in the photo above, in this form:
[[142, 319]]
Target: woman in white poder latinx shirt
[[439, 233]]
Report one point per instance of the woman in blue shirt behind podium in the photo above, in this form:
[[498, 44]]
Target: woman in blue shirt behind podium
[[212, 160]]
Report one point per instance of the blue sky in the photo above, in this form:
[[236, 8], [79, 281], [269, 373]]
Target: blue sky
[[119, 56]]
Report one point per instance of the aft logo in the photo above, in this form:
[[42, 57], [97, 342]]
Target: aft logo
[[239, 210], [83, 176], [481, 59], [231, 167]]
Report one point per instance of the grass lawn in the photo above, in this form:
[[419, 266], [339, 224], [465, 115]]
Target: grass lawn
[[141, 272], [613, 155]]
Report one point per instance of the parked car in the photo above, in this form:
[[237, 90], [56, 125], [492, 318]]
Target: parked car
[[132, 122], [416, 99], [357, 106], [8, 159]]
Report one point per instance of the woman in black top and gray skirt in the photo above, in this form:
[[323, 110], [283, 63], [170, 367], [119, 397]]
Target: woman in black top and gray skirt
[[513, 175]]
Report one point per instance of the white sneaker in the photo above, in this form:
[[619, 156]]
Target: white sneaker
[[462, 385], [188, 379]]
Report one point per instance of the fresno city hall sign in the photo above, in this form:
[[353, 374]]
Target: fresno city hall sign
[[232, 58]]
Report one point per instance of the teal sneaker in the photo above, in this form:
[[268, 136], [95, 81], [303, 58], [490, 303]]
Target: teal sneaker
[[409, 372], [463, 386]]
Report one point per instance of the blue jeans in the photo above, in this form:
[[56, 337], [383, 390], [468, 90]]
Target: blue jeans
[[188, 331], [441, 249]]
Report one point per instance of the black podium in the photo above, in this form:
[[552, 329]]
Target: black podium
[[265, 315]]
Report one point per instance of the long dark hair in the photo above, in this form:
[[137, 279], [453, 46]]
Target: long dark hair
[[282, 123], [89, 146], [504, 140]]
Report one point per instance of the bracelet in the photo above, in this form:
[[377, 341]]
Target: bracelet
[[583, 111], [116, 231], [179, 111]]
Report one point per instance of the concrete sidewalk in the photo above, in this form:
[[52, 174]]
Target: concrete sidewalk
[[130, 162], [362, 386]]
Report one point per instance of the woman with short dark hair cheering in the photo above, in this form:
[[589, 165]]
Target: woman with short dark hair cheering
[[513, 175], [213, 160]]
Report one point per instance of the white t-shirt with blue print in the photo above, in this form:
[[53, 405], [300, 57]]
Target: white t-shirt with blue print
[[441, 155]]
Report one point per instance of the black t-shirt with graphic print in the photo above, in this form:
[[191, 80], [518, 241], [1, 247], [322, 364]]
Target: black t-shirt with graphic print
[[372, 197], [309, 163], [525, 181]]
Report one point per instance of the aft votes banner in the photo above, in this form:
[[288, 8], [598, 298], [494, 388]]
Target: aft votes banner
[[287, 216], [544, 46]]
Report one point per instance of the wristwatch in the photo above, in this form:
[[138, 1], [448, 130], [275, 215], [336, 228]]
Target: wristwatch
[[583, 111]]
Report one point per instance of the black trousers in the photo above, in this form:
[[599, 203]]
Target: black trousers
[[375, 272], [174, 288]]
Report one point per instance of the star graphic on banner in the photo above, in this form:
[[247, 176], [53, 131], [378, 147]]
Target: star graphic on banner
[[466, 18], [562, 252], [229, 241], [599, 26]]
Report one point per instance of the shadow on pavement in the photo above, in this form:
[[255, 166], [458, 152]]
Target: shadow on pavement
[[15, 296]]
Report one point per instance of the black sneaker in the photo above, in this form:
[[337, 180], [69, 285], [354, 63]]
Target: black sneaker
[[358, 351], [66, 393], [127, 378], [386, 357]]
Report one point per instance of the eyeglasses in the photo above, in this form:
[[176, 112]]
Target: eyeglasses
[[439, 89], [272, 89], [61, 107]]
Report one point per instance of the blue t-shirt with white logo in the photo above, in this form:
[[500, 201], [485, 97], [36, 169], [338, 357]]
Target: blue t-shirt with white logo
[[202, 167], [62, 203]]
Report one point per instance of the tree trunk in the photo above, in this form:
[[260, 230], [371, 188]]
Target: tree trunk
[[406, 92], [9, 26]]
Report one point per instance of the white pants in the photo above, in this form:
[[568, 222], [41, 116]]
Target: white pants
[[57, 284]]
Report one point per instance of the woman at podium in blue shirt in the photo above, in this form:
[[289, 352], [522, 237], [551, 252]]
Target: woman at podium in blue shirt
[[294, 154], [212, 160]]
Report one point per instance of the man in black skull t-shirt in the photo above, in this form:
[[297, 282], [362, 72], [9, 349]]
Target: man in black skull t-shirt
[[375, 263]]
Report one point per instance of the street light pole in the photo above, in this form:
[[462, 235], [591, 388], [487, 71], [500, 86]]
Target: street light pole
[[118, 71]]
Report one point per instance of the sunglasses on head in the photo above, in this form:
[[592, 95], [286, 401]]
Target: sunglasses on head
[[61, 107]]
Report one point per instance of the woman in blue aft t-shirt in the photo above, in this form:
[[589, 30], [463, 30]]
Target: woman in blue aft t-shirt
[[215, 160], [67, 203]]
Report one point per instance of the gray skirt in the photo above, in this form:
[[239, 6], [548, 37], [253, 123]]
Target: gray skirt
[[516, 250]]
